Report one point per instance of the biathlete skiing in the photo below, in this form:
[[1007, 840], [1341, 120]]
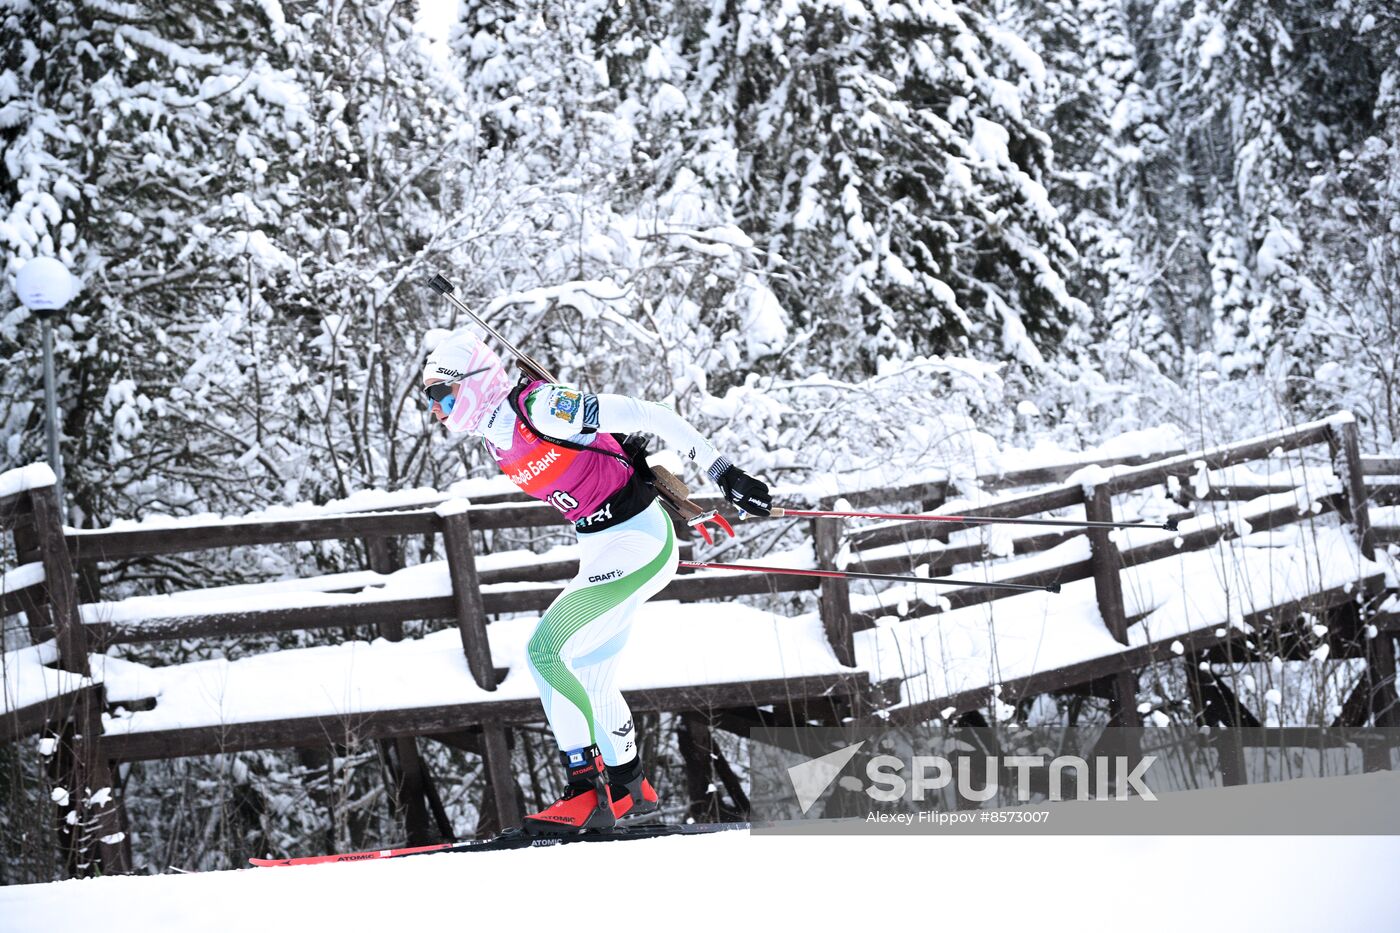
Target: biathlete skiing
[[557, 444]]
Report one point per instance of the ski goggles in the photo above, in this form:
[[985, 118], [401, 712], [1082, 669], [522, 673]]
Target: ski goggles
[[441, 393]]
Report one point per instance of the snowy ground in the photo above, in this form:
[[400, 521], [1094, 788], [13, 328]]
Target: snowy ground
[[736, 881]]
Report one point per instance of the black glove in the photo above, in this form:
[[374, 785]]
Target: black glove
[[743, 490]]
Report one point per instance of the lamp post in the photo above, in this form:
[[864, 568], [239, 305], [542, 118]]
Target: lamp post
[[45, 286]]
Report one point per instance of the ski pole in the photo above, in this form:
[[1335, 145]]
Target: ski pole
[[856, 575], [1168, 525], [443, 287]]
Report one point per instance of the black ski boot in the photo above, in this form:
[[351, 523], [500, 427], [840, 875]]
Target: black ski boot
[[632, 794]]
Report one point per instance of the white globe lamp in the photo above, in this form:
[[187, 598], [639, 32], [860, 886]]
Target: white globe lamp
[[45, 285]]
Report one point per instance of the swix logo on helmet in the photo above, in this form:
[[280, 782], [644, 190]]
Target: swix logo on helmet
[[454, 375]]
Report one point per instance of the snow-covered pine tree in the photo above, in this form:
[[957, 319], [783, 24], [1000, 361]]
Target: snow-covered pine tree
[[626, 272], [880, 154], [1263, 96], [883, 154], [129, 127], [1103, 126], [1347, 261], [247, 194]]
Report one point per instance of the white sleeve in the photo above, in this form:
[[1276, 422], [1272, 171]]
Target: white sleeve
[[620, 414]]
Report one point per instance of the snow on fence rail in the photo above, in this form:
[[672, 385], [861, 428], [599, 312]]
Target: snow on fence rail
[[1076, 562], [827, 658]]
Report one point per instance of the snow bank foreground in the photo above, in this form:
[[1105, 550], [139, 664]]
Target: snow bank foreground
[[734, 880]]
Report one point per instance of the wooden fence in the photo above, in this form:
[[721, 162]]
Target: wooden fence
[[1116, 676], [52, 610]]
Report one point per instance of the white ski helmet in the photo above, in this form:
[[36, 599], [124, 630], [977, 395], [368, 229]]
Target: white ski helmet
[[474, 371]]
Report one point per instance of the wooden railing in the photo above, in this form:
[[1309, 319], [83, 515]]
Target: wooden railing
[[52, 604], [1115, 675]]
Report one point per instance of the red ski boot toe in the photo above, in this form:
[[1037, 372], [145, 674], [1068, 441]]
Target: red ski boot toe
[[576, 811], [585, 804]]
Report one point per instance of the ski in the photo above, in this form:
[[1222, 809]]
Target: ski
[[511, 839]]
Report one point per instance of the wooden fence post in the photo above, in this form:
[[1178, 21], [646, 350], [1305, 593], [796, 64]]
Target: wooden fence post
[[471, 622], [1380, 672], [60, 583], [835, 595], [1108, 587], [1216, 705], [466, 595], [706, 772], [404, 765], [98, 831], [1346, 458]]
